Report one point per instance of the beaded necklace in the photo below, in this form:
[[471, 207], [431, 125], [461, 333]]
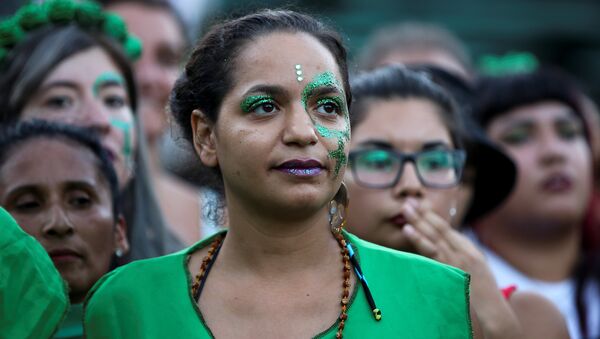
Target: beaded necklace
[[215, 247]]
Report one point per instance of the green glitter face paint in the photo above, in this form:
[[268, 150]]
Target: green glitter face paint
[[126, 127], [107, 78], [342, 138], [250, 103], [328, 79]]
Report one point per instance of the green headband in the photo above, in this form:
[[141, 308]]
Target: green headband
[[86, 14]]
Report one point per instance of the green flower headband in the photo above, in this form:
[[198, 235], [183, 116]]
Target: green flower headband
[[86, 14], [510, 63]]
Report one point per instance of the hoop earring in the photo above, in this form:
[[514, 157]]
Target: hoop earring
[[337, 210], [341, 197]]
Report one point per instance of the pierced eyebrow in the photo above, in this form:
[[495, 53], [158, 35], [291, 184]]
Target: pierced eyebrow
[[374, 143], [273, 90]]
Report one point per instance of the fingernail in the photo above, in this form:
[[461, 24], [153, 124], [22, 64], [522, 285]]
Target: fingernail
[[412, 202], [409, 229], [410, 210]]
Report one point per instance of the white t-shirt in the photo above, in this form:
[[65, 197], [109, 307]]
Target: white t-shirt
[[562, 293]]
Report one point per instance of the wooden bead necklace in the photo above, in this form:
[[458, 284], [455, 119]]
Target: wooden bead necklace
[[213, 251]]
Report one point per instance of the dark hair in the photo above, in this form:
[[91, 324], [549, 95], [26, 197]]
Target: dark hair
[[460, 89], [496, 96], [34, 58], [163, 5], [208, 75], [396, 81], [16, 135]]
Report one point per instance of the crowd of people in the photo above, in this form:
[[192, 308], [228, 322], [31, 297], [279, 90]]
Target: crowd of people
[[257, 184]]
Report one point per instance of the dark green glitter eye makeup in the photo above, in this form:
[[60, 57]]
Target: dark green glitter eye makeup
[[251, 102]]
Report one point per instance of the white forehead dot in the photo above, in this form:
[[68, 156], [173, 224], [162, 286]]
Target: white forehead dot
[[299, 72]]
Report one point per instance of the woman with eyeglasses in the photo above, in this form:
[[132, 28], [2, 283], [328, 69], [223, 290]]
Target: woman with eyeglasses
[[406, 161]]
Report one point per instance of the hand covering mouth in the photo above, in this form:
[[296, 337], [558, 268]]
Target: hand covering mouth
[[398, 220]]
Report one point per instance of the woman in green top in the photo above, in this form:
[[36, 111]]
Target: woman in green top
[[59, 184], [264, 102], [33, 297]]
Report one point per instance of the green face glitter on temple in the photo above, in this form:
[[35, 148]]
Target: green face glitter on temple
[[107, 78], [324, 80]]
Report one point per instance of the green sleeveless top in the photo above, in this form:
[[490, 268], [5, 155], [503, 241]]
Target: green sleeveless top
[[418, 297], [33, 296]]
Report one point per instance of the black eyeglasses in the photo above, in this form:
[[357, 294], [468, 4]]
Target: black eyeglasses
[[382, 168]]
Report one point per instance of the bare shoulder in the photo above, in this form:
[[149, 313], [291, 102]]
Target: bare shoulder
[[538, 316]]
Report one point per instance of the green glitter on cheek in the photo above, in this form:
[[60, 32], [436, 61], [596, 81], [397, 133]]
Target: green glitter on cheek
[[328, 79], [106, 78], [126, 127], [342, 138]]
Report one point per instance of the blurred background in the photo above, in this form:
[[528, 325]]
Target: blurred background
[[561, 32]]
